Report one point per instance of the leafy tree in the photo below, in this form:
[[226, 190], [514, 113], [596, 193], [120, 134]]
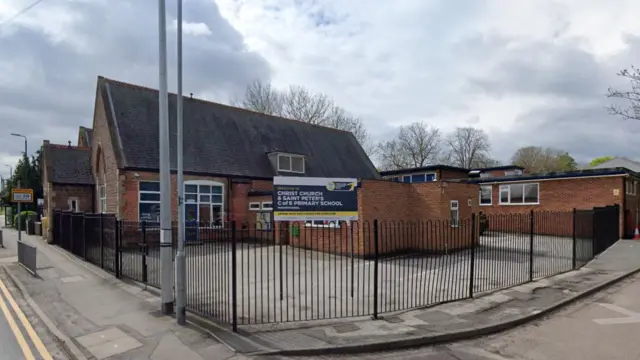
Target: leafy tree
[[599, 160], [538, 159], [28, 171]]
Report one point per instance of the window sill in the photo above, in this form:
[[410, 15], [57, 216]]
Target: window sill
[[485, 204], [322, 226]]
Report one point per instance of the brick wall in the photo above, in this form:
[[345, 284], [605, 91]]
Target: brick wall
[[61, 195], [557, 199], [411, 218]]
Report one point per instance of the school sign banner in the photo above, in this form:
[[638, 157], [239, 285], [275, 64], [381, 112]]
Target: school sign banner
[[304, 199]]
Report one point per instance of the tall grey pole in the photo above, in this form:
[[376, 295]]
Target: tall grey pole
[[166, 252], [181, 261]]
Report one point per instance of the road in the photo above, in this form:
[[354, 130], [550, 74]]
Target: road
[[18, 338], [603, 326]]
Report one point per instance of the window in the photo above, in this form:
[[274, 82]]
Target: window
[[149, 201], [267, 205], [73, 205], [406, 179], [455, 213], [204, 202], [485, 175], [516, 172], [486, 191], [520, 194], [291, 163], [418, 178], [102, 191], [631, 187], [254, 206], [431, 177]]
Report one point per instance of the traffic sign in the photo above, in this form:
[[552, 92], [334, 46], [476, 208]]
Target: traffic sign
[[22, 195]]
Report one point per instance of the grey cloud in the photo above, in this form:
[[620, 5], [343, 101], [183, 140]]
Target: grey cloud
[[574, 85], [119, 41]]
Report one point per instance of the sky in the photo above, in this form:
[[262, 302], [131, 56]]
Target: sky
[[528, 72]]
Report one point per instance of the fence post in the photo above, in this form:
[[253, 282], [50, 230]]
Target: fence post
[[143, 248], [473, 255], [531, 245], [101, 241], [72, 238], [375, 268], [234, 279], [117, 248], [574, 244], [84, 236]]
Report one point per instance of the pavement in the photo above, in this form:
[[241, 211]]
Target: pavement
[[98, 316], [93, 315], [601, 326]]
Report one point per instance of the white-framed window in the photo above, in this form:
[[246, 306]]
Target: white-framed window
[[454, 206], [102, 195], [291, 163], [73, 205], [485, 175], [322, 223], [520, 194], [631, 186], [204, 202], [254, 206], [149, 201], [516, 172], [267, 205], [486, 193]]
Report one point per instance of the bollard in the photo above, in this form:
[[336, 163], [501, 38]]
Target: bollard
[[1, 243]]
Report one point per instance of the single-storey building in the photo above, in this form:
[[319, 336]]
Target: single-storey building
[[446, 172], [562, 192], [67, 180]]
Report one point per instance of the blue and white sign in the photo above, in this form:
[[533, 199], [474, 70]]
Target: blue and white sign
[[307, 198]]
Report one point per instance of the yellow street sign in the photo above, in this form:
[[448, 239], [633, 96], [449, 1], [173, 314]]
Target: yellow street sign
[[22, 195]]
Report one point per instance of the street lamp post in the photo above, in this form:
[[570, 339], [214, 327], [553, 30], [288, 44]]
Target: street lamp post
[[181, 277], [166, 252], [24, 165]]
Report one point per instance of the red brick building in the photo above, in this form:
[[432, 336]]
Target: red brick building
[[230, 158], [67, 178], [562, 192]]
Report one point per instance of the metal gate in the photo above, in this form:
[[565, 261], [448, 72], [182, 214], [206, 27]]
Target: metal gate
[[606, 227]]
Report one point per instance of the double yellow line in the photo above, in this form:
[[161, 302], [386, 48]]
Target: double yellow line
[[22, 342]]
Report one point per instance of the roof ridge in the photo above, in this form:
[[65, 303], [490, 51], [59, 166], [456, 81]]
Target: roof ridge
[[209, 102]]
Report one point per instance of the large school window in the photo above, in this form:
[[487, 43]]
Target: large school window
[[520, 194], [486, 191], [149, 201]]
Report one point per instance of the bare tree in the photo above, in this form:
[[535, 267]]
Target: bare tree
[[416, 145], [261, 97], [468, 147], [536, 159], [300, 104], [632, 111]]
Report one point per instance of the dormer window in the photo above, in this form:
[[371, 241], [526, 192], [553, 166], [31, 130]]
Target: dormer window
[[291, 163]]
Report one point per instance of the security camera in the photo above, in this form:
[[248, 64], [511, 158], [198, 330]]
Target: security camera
[[137, 176]]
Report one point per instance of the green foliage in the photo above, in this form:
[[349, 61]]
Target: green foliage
[[599, 160], [28, 171], [566, 162], [24, 215]]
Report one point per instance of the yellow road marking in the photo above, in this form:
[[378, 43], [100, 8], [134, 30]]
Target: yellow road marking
[[25, 323], [26, 351]]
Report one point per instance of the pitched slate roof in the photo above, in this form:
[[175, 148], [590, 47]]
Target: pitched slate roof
[[224, 140], [68, 164]]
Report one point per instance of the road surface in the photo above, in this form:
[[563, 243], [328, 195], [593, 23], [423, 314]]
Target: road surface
[[17, 336], [603, 326]]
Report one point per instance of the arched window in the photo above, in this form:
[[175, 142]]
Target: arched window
[[204, 202], [101, 180]]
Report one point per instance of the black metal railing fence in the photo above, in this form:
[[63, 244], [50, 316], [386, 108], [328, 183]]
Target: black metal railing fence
[[244, 274]]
